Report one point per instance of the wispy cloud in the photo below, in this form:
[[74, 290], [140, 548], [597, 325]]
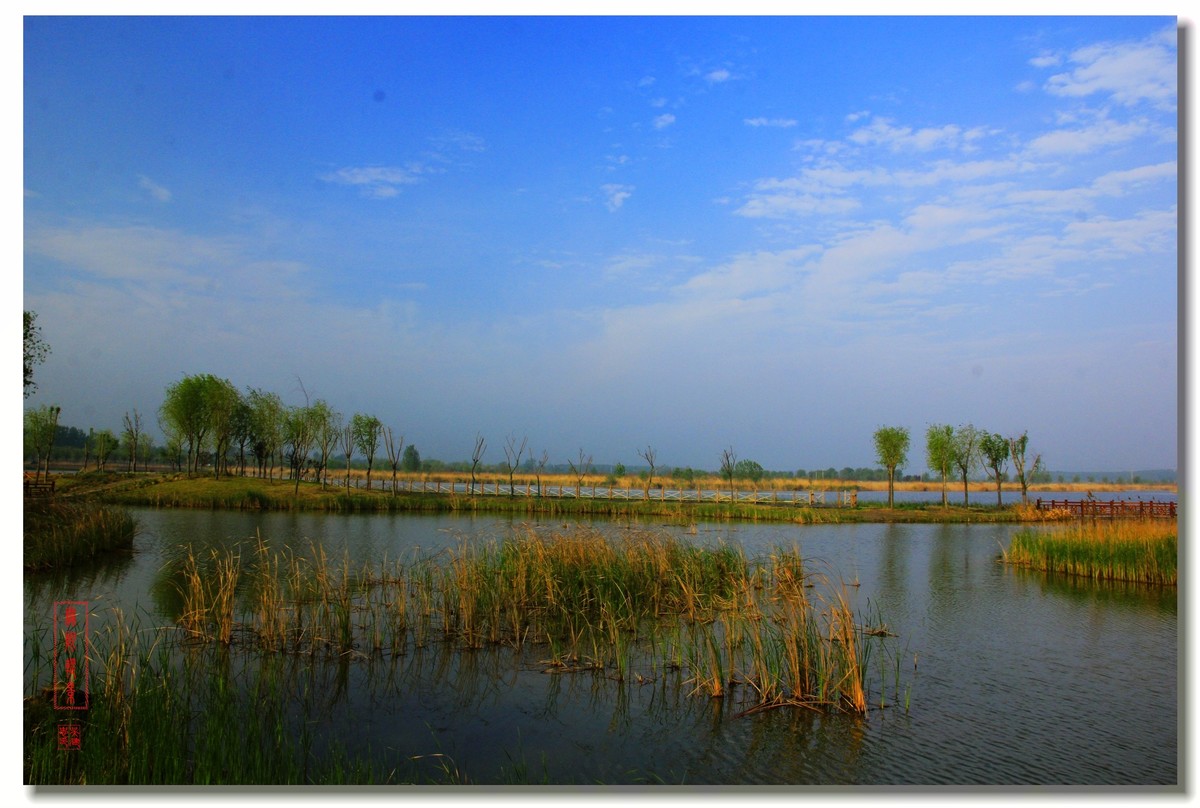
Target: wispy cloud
[[664, 120], [1128, 72], [782, 123], [378, 182], [615, 195], [153, 188], [881, 131], [717, 76]]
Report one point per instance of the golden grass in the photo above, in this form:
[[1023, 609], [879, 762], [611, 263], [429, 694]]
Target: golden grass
[[1136, 550]]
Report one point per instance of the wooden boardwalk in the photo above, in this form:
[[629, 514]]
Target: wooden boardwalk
[[1111, 509], [836, 499]]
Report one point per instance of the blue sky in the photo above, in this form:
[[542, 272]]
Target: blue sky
[[770, 233]]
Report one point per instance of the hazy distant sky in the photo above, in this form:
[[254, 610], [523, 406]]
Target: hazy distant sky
[[775, 234]]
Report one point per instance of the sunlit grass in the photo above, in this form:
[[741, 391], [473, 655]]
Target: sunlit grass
[[1136, 550]]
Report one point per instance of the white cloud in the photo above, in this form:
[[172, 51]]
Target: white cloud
[[1104, 132], [717, 76], [783, 123], [881, 132], [153, 188], [615, 195], [646, 81], [664, 120], [379, 182], [1046, 60], [1130, 72]]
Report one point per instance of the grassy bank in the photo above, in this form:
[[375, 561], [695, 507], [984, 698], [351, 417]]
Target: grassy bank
[[59, 533], [252, 493], [1140, 551]]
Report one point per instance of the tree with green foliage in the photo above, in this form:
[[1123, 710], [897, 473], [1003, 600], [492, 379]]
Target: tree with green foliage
[[300, 425], [966, 455], [266, 428], [222, 400], [367, 429], [750, 470], [36, 350], [106, 442], [1025, 470], [939, 453], [412, 459], [184, 411], [891, 449], [329, 427], [40, 426], [993, 453]]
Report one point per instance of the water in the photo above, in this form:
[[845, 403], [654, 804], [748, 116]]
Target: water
[[1011, 678]]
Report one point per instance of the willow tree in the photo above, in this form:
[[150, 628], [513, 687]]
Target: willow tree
[[185, 412], [993, 453], [1023, 468], [966, 455], [891, 448], [367, 429], [939, 453], [35, 351]]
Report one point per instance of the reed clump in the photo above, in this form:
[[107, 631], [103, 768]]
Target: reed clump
[[631, 608], [59, 533], [1136, 550]]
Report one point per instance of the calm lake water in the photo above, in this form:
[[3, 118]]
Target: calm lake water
[[1010, 678]]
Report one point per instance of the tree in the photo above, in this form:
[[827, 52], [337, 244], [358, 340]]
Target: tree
[[729, 468], [477, 456], [221, 403], [36, 351], [966, 455], [106, 442], [131, 435], [243, 431], [40, 425], [366, 438], [1025, 471], [394, 449], [749, 470], [346, 440], [939, 452], [184, 411], [412, 458], [266, 427], [580, 470], [539, 468], [891, 449], [301, 425], [993, 450], [329, 426], [649, 455], [512, 458]]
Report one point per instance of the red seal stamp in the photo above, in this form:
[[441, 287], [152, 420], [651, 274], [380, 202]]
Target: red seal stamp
[[70, 659]]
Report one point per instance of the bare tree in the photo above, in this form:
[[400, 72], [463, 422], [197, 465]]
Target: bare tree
[[512, 458], [132, 435], [580, 470], [346, 438], [476, 456], [728, 466], [649, 455], [541, 466], [394, 450]]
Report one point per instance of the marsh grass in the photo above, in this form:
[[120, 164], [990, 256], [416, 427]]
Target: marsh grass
[[1142, 551], [165, 711], [631, 608], [60, 533]]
